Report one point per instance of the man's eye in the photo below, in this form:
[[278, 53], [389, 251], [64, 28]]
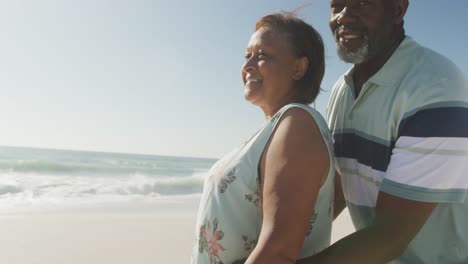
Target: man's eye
[[247, 56], [337, 8], [364, 3]]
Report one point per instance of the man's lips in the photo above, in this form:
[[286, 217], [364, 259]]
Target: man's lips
[[344, 34], [348, 36]]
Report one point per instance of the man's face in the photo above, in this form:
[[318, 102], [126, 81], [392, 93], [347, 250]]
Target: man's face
[[362, 29]]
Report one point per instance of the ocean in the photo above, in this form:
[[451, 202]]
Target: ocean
[[31, 177]]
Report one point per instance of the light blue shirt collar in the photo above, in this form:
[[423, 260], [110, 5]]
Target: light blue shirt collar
[[395, 67]]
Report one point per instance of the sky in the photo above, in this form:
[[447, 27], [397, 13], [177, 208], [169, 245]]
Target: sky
[[158, 77]]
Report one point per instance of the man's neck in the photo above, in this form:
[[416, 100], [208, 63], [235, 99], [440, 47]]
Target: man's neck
[[364, 71]]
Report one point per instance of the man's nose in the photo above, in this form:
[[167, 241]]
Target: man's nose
[[346, 16]]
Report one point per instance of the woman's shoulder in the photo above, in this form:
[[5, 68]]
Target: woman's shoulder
[[306, 108], [300, 125], [308, 129], [305, 113]]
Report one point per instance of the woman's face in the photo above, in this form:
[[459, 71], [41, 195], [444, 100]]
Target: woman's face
[[268, 70]]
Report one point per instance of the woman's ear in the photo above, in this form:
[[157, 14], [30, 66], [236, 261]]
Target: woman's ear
[[300, 68]]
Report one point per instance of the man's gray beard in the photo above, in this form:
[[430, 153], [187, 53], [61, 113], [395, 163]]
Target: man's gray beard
[[354, 57]]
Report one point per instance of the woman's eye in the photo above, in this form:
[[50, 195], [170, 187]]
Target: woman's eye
[[260, 56]]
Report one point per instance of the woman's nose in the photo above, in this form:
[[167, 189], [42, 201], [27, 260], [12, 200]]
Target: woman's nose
[[249, 65]]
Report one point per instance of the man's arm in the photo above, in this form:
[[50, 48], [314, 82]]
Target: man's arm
[[397, 222]]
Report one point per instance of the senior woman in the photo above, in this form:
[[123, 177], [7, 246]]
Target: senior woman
[[270, 200]]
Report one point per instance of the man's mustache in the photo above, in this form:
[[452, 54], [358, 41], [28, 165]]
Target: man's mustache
[[349, 28]]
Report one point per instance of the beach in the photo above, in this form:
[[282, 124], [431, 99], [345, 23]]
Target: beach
[[73, 207], [161, 232]]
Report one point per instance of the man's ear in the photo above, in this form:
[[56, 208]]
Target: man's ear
[[300, 68], [400, 8]]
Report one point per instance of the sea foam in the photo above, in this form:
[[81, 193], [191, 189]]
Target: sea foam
[[32, 177]]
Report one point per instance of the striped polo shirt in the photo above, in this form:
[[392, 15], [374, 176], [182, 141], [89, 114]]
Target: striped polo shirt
[[406, 134]]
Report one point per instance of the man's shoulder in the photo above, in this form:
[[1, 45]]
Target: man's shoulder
[[340, 85], [432, 77], [428, 66], [339, 88]]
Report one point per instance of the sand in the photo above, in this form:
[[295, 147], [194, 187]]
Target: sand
[[342, 226], [160, 232]]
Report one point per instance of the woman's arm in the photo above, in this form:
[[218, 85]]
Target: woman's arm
[[293, 167]]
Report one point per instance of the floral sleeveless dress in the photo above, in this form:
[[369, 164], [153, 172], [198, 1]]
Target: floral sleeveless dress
[[230, 215]]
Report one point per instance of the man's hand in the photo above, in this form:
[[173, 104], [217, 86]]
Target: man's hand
[[396, 224]]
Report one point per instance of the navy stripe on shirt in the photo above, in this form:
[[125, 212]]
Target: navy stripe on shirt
[[369, 153], [436, 122]]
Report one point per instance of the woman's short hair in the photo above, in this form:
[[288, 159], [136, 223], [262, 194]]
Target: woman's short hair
[[305, 42]]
